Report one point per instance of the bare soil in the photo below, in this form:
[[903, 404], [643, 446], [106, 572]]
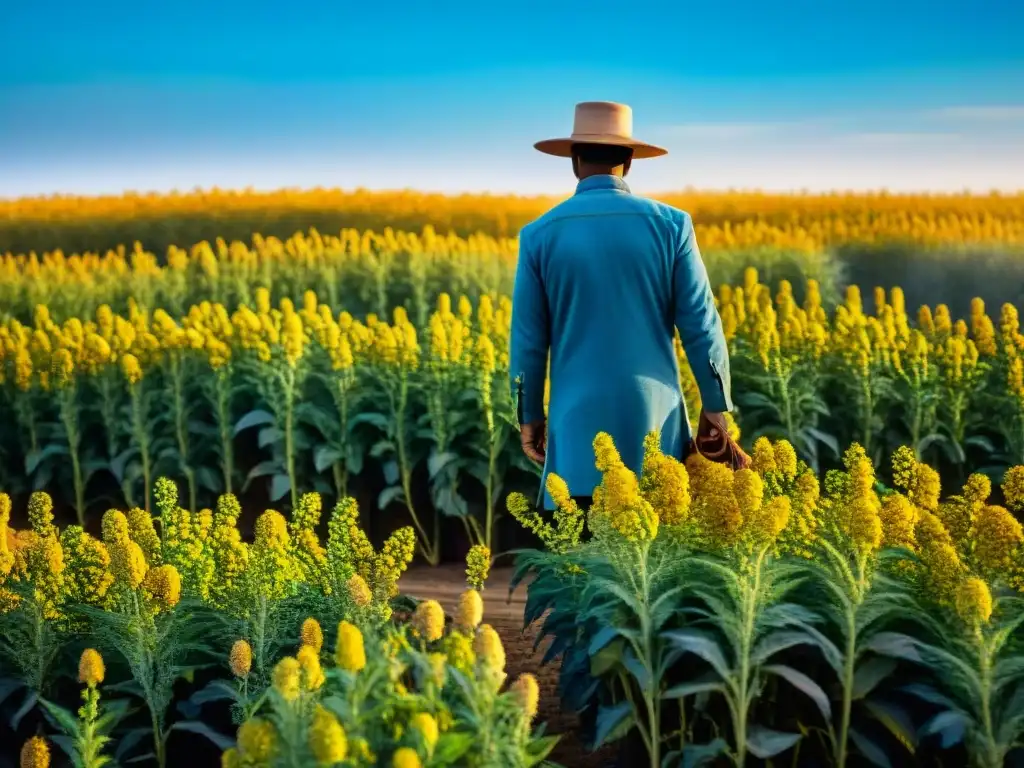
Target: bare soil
[[505, 613]]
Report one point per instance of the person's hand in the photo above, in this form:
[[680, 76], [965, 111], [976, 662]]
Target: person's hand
[[714, 443], [534, 439]]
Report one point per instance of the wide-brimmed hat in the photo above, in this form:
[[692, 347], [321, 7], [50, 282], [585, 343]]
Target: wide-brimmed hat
[[601, 122]]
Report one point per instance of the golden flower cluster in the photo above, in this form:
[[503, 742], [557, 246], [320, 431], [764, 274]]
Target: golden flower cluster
[[618, 504], [382, 671]]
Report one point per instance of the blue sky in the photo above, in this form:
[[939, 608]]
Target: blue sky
[[450, 96]]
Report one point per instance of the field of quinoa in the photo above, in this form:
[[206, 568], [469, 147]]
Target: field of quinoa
[[262, 501]]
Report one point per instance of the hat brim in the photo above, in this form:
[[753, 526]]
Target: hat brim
[[563, 147]]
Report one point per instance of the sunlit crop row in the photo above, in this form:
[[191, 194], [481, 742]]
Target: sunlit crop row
[[105, 404], [307, 658], [886, 213], [366, 271], [760, 614]]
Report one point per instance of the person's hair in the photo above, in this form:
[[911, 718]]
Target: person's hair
[[610, 155]]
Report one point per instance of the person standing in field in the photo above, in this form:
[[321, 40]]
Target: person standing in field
[[603, 280]]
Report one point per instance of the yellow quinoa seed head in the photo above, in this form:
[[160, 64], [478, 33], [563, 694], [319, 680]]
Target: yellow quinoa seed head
[[557, 489], [131, 369], [350, 654], [359, 591], [256, 741], [240, 658], [763, 456], [978, 488], [1013, 488], [287, 678], [606, 456], [406, 758], [426, 726], [327, 739], [470, 611], [748, 488], [128, 562], [785, 458], [311, 673], [163, 585], [271, 527], [478, 566], [438, 665], [35, 753], [488, 648], [974, 602], [527, 694], [115, 526], [311, 634], [90, 668], [428, 621]]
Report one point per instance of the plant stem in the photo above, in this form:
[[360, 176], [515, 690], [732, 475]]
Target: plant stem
[[142, 438], [259, 635], [486, 388], [915, 428], [492, 460], [340, 479], [289, 433], [751, 598], [68, 416], [158, 738], [427, 545], [111, 423], [341, 404], [39, 669], [650, 691], [146, 677], [227, 445], [869, 406], [27, 417], [181, 427], [992, 757], [787, 409], [847, 687]]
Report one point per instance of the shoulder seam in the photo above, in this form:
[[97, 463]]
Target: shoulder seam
[[539, 224]]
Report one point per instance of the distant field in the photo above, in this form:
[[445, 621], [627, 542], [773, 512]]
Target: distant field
[[724, 219], [940, 248]]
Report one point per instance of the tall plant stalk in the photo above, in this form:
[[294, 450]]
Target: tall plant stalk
[[399, 402], [222, 409], [288, 386], [849, 591], [341, 396], [180, 413], [141, 435], [68, 405], [110, 409]]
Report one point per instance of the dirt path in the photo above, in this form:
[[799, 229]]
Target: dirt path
[[505, 614]]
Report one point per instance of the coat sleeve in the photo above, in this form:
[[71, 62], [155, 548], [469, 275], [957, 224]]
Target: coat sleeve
[[530, 335], [699, 324]]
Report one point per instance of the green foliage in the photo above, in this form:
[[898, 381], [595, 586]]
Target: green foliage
[[819, 645]]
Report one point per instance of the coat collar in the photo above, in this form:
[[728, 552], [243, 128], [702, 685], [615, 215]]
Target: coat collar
[[602, 181]]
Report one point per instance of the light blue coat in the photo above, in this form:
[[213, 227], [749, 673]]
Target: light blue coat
[[602, 281]]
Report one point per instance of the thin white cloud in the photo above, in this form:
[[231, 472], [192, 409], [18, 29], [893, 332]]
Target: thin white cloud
[[897, 137], [993, 113]]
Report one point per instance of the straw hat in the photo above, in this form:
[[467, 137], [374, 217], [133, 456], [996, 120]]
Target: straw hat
[[601, 122]]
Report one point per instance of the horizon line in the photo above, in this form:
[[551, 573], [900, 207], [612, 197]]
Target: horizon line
[[965, 191]]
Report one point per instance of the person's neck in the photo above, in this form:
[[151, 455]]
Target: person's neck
[[586, 174]]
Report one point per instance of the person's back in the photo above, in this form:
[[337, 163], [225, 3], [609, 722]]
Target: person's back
[[603, 280]]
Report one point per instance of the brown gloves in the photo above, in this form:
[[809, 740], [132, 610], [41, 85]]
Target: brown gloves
[[714, 443]]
